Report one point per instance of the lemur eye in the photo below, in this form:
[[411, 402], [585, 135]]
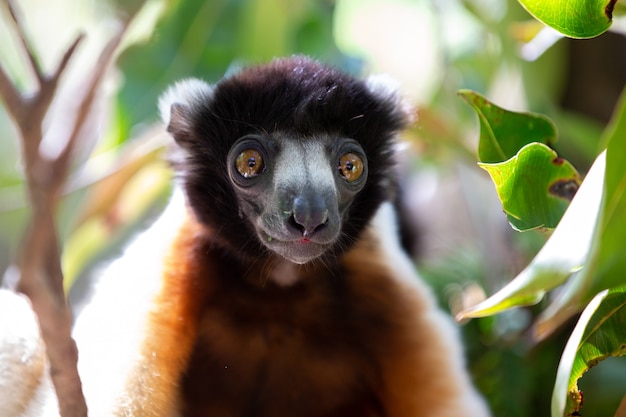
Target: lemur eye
[[249, 163], [350, 166]]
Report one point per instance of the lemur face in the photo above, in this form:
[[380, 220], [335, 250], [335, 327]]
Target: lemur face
[[291, 158], [295, 191]]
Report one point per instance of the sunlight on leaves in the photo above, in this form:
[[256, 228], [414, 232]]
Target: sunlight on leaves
[[588, 246], [611, 262], [597, 336], [564, 253], [573, 18], [566, 364], [606, 264]]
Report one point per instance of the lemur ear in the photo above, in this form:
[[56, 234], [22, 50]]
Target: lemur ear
[[388, 89], [181, 123], [181, 105]]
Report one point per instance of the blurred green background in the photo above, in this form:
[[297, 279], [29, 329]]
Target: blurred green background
[[432, 48]]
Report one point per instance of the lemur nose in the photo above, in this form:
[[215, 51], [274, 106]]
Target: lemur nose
[[309, 215]]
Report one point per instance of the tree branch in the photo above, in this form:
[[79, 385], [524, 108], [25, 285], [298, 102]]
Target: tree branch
[[41, 276], [10, 95], [28, 112]]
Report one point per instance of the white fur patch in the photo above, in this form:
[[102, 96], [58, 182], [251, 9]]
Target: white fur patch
[[24, 377], [384, 226], [284, 274], [191, 92], [388, 89], [303, 163], [110, 331]]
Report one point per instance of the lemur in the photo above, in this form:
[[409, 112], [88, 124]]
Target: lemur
[[274, 284]]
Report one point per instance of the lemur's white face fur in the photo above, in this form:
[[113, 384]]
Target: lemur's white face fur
[[290, 145]]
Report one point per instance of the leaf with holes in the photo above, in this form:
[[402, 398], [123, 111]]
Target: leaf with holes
[[599, 334], [535, 186], [563, 254]]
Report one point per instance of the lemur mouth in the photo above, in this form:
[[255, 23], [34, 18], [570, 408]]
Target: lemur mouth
[[299, 251]]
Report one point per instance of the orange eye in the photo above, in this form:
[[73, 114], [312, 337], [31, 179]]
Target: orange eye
[[249, 163], [350, 167]]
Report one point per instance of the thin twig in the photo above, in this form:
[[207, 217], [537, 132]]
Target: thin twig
[[66, 57], [62, 163], [34, 65]]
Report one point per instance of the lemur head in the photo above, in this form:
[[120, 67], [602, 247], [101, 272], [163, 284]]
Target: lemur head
[[291, 158]]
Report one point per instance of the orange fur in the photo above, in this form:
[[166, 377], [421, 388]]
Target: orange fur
[[172, 327], [349, 339]]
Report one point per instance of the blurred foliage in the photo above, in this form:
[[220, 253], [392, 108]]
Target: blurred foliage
[[208, 39], [433, 48]]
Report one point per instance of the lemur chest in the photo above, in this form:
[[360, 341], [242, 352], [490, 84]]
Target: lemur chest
[[283, 352]]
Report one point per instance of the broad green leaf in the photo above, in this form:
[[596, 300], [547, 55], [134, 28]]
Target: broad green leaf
[[573, 18], [564, 253], [595, 235], [503, 133], [610, 262], [606, 263], [535, 186], [598, 334], [564, 371]]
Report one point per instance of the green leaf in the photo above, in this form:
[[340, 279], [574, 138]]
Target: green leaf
[[590, 234], [606, 264], [573, 18], [598, 334], [610, 262], [535, 186], [563, 254], [503, 133]]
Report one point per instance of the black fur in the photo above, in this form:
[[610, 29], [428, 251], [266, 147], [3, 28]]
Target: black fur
[[297, 96]]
